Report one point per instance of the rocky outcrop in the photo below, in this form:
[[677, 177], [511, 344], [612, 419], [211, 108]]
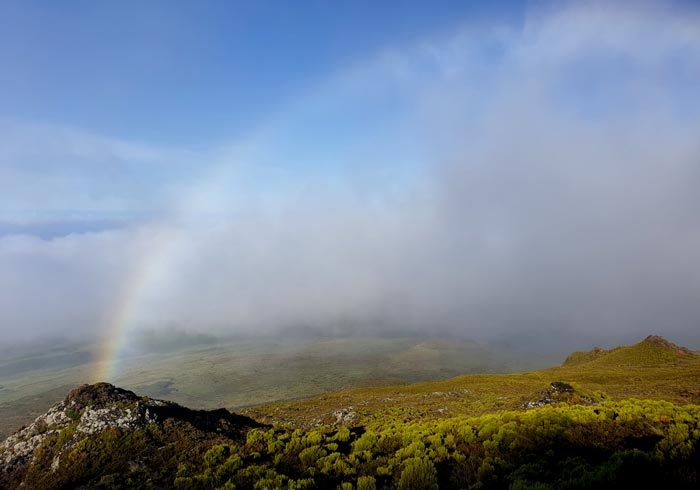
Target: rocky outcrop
[[666, 344], [92, 409], [85, 411], [558, 391]]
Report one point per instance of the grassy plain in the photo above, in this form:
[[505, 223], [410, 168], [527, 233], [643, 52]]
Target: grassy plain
[[239, 373]]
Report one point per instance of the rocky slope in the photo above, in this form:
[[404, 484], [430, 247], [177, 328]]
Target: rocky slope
[[121, 431]]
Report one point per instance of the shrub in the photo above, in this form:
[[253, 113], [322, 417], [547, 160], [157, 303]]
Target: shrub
[[418, 474], [366, 483]]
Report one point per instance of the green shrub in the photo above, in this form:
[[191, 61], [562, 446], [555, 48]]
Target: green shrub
[[366, 483], [418, 474]]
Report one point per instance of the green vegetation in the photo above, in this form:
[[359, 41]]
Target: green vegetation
[[582, 357], [643, 443], [653, 351], [652, 369], [625, 418], [627, 444]]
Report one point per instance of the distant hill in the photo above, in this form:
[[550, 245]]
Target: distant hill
[[654, 368], [652, 351], [582, 357]]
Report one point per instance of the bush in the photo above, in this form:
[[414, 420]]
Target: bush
[[366, 483], [418, 474]]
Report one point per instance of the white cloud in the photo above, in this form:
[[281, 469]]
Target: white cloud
[[541, 207]]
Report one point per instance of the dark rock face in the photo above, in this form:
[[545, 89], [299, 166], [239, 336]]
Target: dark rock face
[[558, 391], [91, 411], [560, 387]]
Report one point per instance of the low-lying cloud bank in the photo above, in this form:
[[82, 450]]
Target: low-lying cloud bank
[[539, 185]]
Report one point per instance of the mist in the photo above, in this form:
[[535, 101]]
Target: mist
[[538, 189]]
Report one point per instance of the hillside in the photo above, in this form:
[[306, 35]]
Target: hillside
[[652, 351], [652, 369], [614, 419]]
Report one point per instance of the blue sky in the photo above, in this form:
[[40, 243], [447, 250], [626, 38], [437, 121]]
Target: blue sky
[[195, 73], [137, 104], [523, 170], [180, 81]]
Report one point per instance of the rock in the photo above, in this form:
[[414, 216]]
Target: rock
[[558, 391], [345, 416], [92, 409], [560, 387]]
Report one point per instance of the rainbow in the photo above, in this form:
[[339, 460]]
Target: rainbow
[[124, 316], [145, 277]]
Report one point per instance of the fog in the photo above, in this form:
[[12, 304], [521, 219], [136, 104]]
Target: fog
[[543, 196]]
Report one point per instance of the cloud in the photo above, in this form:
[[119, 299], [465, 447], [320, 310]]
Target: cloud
[[51, 171], [60, 287], [533, 184]]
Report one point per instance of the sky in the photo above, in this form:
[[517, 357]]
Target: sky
[[522, 173]]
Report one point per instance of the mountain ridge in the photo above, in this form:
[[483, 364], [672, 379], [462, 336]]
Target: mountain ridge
[[654, 349]]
